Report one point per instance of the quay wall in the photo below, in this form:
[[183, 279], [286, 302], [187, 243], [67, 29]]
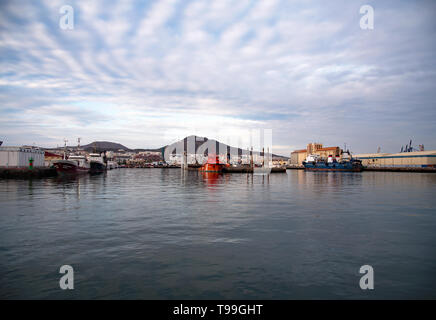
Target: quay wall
[[26, 173]]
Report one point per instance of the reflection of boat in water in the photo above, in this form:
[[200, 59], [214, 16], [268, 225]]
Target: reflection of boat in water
[[314, 162], [211, 178], [213, 164], [97, 163]]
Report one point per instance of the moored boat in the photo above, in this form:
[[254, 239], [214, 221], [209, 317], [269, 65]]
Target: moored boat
[[75, 164], [213, 164], [97, 163], [314, 162]]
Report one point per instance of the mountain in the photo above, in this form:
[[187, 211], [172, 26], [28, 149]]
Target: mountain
[[200, 140], [100, 146]]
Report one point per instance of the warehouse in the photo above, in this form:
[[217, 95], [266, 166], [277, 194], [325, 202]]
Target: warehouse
[[21, 157], [418, 159]]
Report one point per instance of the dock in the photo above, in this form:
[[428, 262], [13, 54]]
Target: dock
[[401, 169], [26, 173]]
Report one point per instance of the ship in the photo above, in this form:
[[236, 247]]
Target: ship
[[213, 164], [346, 162], [97, 163], [75, 164]]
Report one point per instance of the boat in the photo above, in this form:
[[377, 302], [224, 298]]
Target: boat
[[74, 164], [213, 164], [112, 165], [97, 163], [346, 162]]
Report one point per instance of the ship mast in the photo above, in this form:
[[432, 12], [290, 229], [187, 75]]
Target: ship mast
[[65, 148]]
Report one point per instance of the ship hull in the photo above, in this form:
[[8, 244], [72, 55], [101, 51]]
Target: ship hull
[[348, 167], [66, 167], [334, 170], [212, 167], [97, 167]]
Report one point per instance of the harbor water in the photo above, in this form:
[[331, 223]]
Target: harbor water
[[164, 234]]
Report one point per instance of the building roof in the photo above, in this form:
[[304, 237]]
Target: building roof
[[399, 154], [298, 151], [327, 148], [21, 149]]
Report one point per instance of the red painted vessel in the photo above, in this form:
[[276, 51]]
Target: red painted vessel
[[213, 164]]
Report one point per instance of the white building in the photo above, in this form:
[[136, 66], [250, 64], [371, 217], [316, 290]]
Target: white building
[[17, 157]]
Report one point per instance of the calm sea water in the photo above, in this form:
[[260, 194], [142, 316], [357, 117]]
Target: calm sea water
[[158, 234]]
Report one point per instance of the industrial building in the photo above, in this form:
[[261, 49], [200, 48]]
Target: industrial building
[[298, 156], [418, 159], [21, 157]]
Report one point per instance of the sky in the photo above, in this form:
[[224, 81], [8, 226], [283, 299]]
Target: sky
[[147, 73]]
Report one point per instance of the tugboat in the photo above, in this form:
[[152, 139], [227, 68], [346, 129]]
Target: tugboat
[[213, 164], [314, 162]]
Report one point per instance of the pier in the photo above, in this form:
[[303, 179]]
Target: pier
[[26, 173], [401, 169]]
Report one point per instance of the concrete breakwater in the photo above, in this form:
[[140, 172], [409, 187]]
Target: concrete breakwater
[[26, 173]]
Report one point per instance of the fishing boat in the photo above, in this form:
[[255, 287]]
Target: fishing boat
[[73, 164], [97, 163], [346, 162]]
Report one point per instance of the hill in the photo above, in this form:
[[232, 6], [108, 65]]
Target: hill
[[100, 146], [200, 140]]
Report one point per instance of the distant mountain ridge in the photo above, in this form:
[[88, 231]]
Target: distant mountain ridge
[[100, 146], [200, 140], [104, 146]]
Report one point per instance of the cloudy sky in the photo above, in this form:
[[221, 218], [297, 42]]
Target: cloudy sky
[[146, 73]]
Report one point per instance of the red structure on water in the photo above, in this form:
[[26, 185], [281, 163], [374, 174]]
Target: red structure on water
[[213, 164]]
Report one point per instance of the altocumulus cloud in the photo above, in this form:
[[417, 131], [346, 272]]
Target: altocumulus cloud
[[145, 73]]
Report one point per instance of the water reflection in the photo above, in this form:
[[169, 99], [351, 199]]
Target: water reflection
[[163, 233]]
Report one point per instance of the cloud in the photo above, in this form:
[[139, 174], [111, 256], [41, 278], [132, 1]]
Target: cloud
[[142, 72]]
